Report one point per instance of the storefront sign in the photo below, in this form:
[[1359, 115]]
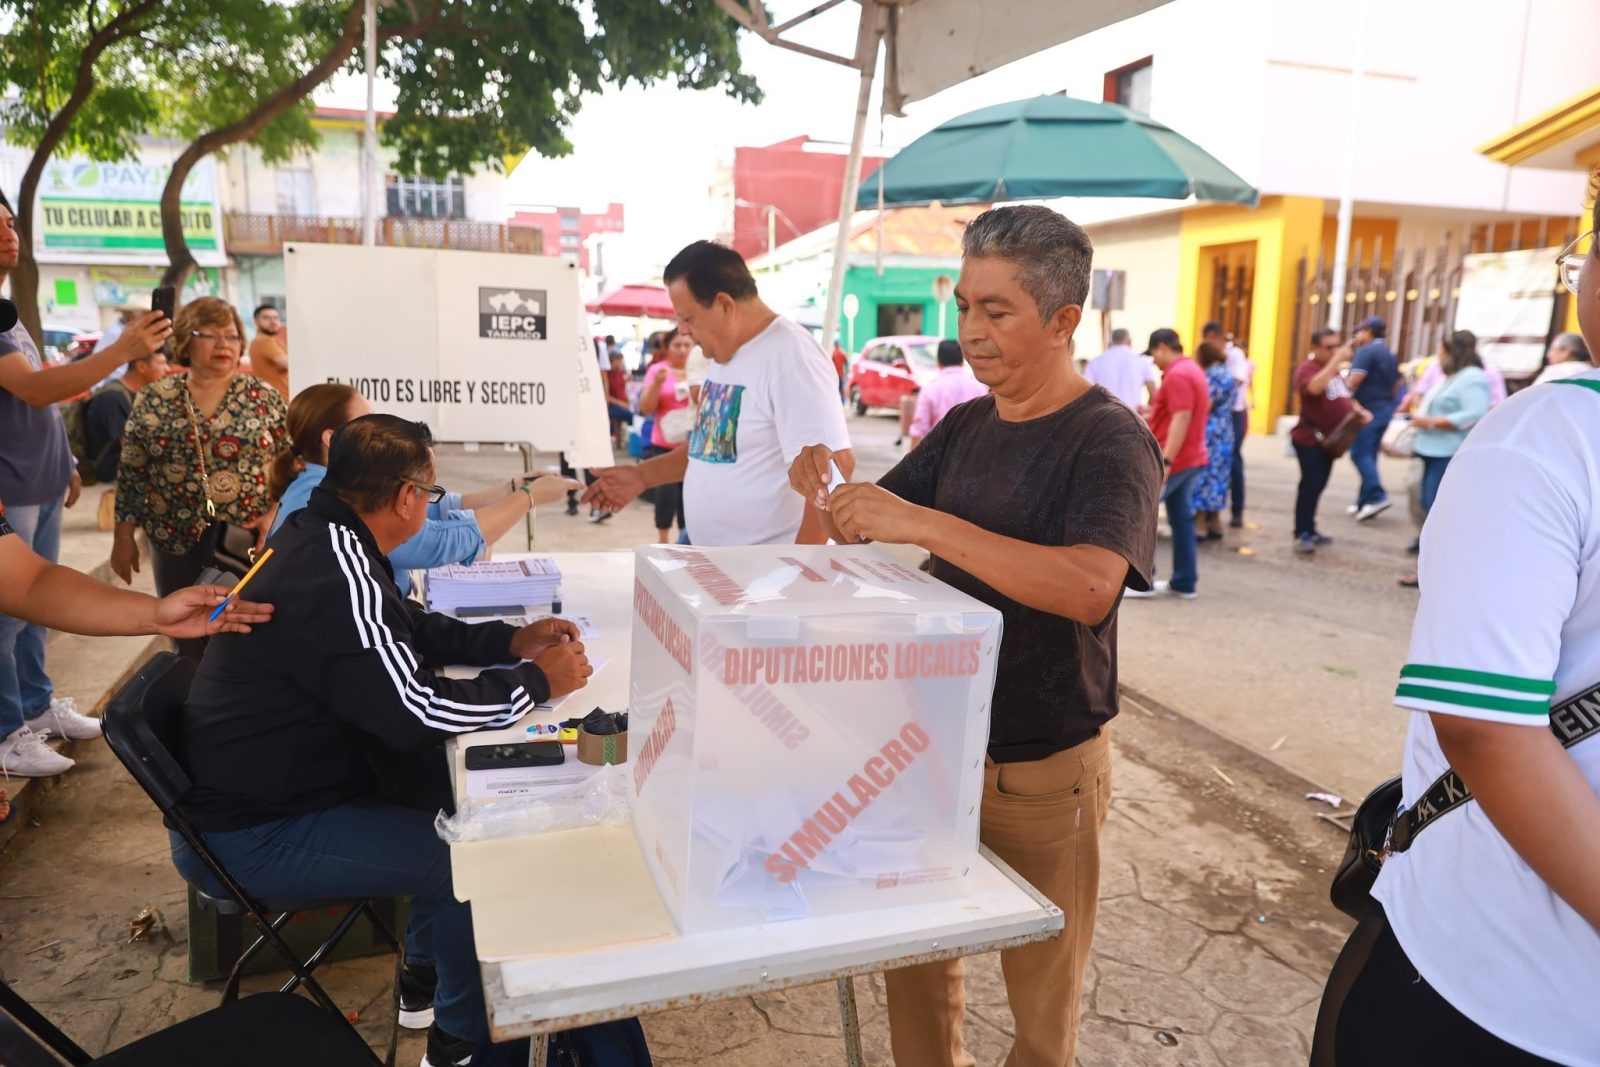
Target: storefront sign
[[116, 207]]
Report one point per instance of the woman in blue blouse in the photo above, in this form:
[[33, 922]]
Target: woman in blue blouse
[[459, 529], [1211, 488], [1451, 408]]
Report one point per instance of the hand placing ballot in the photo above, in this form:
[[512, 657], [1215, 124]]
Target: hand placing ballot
[[814, 475], [862, 512]]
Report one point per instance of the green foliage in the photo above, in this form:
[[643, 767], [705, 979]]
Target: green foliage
[[494, 78], [477, 80], [40, 50]]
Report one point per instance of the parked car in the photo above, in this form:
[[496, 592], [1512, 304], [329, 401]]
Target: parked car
[[890, 368], [82, 344], [57, 342]]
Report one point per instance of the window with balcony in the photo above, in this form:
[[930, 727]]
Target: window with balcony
[[297, 191], [424, 198], [1130, 85], [570, 240]]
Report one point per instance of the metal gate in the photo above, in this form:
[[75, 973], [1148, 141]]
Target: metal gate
[[1416, 292]]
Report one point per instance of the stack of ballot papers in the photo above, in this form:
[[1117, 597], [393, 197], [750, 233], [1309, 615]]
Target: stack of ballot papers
[[510, 584]]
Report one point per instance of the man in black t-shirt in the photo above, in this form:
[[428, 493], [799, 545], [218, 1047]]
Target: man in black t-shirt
[[1039, 500]]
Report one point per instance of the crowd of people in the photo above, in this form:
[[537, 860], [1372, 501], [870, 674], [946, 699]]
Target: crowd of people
[[312, 730]]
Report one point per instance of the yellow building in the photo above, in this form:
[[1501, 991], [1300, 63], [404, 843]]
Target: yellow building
[[1566, 137]]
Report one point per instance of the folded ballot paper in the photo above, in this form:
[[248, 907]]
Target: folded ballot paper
[[807, 730], [516, 583]]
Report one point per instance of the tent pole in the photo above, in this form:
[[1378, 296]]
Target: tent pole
[[1341, 242], [871, 32], [369, 133]]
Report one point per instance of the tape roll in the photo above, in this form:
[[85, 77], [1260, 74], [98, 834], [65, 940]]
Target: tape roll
[[600, 749]]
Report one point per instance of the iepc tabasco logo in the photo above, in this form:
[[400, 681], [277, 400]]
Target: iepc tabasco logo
[[512, 314]]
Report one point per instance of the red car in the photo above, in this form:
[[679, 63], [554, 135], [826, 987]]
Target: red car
[[890, 368]]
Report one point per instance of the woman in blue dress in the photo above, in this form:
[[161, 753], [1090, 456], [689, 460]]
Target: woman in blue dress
[[1211, 487]]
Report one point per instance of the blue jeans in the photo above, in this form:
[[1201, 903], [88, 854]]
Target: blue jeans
[[1180, 516], [362, 850], [25, 688], [620, 414], [1432, 474], [1364, 454], [1241, 426]]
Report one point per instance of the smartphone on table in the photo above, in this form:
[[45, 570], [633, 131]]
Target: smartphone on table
[[515, 754]]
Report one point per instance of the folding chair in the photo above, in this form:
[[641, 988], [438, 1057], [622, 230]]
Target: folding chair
[[266, 1030], [142, 725]]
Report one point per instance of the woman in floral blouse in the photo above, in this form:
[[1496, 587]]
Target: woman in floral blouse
[[239, 423]]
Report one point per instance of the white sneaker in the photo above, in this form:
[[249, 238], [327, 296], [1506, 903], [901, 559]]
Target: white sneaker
[[1352, 509], [1372, 510], [1160, 588], [64, 720], [25, 755]]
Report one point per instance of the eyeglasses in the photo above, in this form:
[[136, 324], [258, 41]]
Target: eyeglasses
[[1570, 261], [435, 492], [232, 340]]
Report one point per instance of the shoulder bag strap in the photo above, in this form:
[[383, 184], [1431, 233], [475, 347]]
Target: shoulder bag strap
[[1571, 721], [199, 453]]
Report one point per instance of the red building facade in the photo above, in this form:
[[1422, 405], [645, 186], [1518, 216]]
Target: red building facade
[[567, 229], [796, 183]]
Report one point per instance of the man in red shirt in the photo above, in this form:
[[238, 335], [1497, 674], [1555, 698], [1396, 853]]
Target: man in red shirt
[[1178, 417]]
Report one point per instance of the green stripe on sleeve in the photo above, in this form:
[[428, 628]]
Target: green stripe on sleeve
[[1473, 700], [1510, 682]]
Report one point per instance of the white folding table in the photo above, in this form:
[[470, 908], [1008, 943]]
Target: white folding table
[[530, 997]]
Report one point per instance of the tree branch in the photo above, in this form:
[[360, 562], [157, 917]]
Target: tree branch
[[25, 282], [180, 259]]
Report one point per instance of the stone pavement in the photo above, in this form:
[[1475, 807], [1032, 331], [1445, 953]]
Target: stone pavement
[[1214, 932]]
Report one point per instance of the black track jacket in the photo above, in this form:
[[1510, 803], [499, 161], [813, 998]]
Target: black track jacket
[[300, 714]]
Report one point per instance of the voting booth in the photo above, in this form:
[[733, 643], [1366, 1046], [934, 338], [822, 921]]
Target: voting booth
[[482, 346], [807, 731]]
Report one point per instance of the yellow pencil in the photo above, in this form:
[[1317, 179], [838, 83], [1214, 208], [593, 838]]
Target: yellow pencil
[[249, 574]]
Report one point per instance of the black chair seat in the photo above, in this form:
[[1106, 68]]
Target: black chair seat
[[265, 1030], [229, 906]]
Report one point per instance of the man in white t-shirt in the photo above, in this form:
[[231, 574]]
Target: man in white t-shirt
[[1124, 373], [769, 392], [1492, 910]]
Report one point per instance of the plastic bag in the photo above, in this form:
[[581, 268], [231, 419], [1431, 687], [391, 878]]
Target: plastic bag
[[599, 800]]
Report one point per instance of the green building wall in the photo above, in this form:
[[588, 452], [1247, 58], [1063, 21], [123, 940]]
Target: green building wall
[[899, 285]]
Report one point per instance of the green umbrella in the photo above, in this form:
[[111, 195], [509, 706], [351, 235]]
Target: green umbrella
[[1047, 147]]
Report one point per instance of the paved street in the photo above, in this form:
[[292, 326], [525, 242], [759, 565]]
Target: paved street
[[1214, 932]]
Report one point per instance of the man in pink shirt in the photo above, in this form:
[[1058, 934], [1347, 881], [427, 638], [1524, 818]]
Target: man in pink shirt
[[954, 385]]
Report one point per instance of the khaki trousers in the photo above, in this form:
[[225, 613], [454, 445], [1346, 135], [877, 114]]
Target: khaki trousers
[[1043, 818]]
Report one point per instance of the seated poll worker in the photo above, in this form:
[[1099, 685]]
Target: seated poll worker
[[315, 743], [1040, 500], [458, 529], [37, 591]]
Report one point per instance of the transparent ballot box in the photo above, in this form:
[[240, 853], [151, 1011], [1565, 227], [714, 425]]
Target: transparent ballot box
[[807, 730]]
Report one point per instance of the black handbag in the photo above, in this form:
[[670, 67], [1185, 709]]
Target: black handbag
[[227, 547], [1381, 827]]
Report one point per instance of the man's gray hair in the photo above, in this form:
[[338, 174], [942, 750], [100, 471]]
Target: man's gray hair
[[1052, 252]]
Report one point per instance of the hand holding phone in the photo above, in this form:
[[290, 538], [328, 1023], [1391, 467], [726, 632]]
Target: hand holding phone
[[164, 298]]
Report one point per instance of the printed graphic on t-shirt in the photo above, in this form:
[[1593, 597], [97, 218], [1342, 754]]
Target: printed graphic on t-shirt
[[715, 438], [5, 527]]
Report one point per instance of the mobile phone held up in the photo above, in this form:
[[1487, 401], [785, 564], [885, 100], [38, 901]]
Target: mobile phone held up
[[164, 299], [517, 754]]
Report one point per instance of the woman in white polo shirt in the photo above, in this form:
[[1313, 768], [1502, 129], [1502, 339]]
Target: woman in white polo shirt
[[1486, 949]]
